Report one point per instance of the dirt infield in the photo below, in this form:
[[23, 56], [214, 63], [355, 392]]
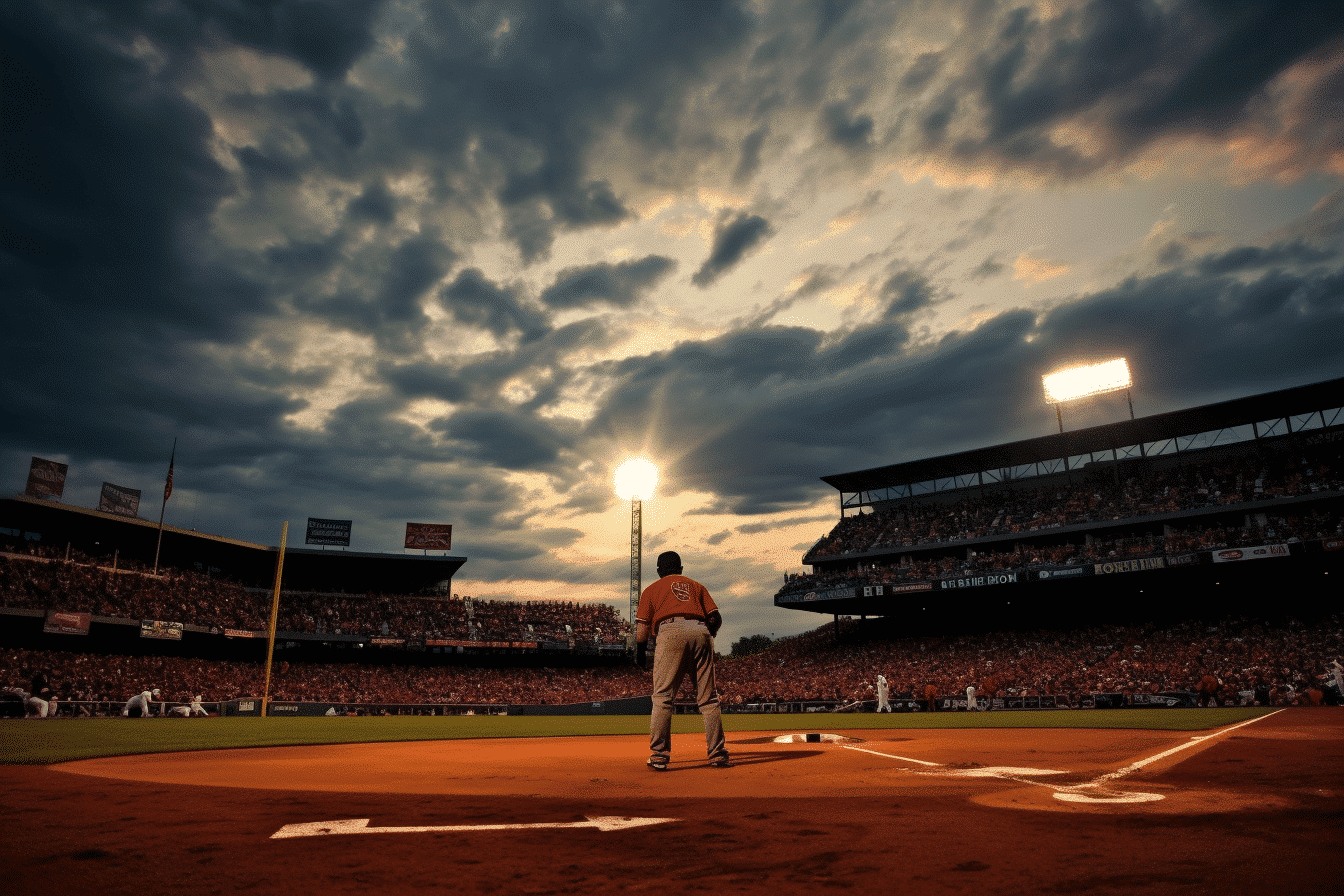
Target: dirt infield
[[1250, 808]]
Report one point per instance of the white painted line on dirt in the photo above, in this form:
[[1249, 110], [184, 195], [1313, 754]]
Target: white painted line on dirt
[[1088, 792], [1133, 767], [890, 756], [361, 826]]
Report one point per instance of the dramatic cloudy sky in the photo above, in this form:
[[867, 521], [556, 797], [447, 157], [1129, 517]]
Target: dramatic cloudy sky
[[452, 262]]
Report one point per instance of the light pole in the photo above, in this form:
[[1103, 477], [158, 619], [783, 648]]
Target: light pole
[[1085, 382], [635, 481]]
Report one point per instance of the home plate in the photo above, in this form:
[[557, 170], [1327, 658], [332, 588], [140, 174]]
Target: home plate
[[1001, 771], [1073, 797], [816, 738]]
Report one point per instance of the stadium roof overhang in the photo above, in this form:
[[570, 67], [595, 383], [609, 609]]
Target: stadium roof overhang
[[102, 535], [1284, 404]]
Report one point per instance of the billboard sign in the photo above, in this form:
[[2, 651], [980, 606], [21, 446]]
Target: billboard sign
[[156, 628], [118, 500], [1260, 552], [46, 478], [62, 623], [329, 531], [429, 536], [1137, 565]]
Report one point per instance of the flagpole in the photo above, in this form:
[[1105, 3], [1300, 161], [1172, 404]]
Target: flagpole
[[167, 490], [275, 611]]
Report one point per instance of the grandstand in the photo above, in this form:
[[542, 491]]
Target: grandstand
[[1120, 522], [1115, 565], [67, 571]]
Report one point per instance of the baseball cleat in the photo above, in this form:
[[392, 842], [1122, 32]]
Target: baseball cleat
[[658, 763]]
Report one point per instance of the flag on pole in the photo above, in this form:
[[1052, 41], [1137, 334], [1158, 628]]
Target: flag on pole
[[168, 486]]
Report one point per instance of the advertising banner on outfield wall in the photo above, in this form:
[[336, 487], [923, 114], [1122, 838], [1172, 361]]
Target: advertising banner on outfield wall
[[60, 623], [979, 581], [429, 536], [46, 478], [1260, 552], [1069, 572], [885, 589], [335, 532], [119, 500], [155, 628], [1142, 563]]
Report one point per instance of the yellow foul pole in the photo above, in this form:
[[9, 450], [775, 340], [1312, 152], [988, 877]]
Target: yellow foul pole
[[275, 610]]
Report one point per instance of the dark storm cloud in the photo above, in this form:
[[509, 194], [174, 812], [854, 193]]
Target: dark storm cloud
[[474, 300], [511, 441], [848, 129], [749, 159], [1128, 71], [106, 264], [375, 204], [425, 380], [1242, 46], [385, 300], [733, 239], [326, 36], [620, 285], [537, 82], [922, 71], [1249, 258], [906, 292]]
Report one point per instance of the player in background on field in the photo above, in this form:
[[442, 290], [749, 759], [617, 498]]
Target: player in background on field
[[138, 706], [883, 692]]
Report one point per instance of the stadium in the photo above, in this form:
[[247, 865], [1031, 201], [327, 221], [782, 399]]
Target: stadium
[[1098, 572]]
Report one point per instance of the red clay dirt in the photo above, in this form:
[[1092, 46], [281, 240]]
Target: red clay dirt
[[1253, 809]]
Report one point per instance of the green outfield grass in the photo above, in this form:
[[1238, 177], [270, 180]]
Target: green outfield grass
[[33, 742]]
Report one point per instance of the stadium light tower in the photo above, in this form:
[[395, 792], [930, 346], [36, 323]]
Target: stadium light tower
[[635, 481], [1086, 381]]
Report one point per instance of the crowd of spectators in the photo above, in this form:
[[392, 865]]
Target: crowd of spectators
[[1284, 529], [1255, 662], [1006, 512], [80, 585]]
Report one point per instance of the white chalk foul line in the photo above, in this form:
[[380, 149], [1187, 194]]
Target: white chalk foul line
[[1133, 767], [361, 826], [1080, 794], [1089, 792], [890, 756]]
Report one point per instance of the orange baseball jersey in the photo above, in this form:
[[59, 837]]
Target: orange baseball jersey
[[674, 595]]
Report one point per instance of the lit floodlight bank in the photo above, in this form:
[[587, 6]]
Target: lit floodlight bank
[[1086, 381], [636, 478]]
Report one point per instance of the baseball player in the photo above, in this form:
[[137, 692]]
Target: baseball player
[[683, 620], [138, 706], [1337, 673], [970, 698], [40, 699], [883, 705], [1207, 689]]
